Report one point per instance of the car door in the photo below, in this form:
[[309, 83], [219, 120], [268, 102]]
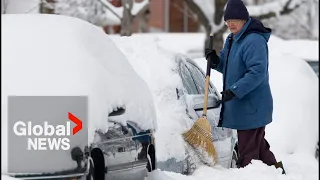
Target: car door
[[193, 79], [124, 148]]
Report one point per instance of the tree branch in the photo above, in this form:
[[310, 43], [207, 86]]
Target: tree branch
[[200, 15], [109, 8], [219, 11], [126, 21], [141, 11], [304, 27], [179, 8], [285, 10], [5, 5]]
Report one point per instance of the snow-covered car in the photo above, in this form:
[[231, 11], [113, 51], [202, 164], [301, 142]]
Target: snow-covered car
[[177, 84], [192, 95], [59, 56], [307, 50]]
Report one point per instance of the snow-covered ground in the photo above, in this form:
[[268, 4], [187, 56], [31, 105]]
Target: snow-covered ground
[[292, 135]]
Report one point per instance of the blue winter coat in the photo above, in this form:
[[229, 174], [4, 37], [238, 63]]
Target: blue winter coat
[[245, 73]]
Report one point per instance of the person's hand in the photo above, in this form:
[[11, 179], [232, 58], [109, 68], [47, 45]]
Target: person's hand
[[211, 53], [227, 95]]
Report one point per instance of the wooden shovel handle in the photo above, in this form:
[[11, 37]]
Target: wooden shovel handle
[[206, 90]]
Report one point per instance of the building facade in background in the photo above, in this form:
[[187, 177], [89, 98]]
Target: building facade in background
[[163, 16]]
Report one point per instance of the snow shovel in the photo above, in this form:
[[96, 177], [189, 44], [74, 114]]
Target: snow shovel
[[200, 133]]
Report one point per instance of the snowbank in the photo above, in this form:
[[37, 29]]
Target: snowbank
[[254, 171], [183, 43], [295, 89], [305, 49], [51, 55]]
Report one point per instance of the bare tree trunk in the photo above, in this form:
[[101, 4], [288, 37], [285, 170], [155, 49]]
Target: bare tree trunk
[[3, 9], [143, 22], [126, 22], [218, 39], [45, 7], [201, 17], [312, 14], [143, 17], [310, 20], [218, 17], [315, 24], [4, 6]]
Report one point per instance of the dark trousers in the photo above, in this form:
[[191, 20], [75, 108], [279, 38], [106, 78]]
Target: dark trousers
[[253, 145]]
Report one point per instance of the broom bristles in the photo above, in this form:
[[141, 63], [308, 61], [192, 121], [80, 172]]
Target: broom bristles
[[200, 136]]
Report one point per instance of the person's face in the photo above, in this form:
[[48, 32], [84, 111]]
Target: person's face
[[235, 25]]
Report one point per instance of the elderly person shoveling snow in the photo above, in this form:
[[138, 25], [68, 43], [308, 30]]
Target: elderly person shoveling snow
[[247, 103]]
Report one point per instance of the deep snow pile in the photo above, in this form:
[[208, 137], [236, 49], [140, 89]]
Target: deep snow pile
[[50, 55]]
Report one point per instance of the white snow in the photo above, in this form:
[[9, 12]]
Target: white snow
[[271, 7], [298, 169], [100, 12], [51, 55], [113, 19], [208, 8], [305, 49], [137, 6], [292, 135], [20, 6], [183, 43], [144, 55], [83, 10]]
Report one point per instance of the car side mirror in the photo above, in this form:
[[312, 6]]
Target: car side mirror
[[196, 101]]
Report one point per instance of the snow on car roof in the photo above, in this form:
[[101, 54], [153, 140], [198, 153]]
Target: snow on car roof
[[52, 55]]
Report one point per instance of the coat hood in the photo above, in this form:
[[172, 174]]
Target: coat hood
[[254, 26]]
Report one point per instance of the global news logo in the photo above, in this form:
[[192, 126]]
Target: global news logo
[[47, 136]]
